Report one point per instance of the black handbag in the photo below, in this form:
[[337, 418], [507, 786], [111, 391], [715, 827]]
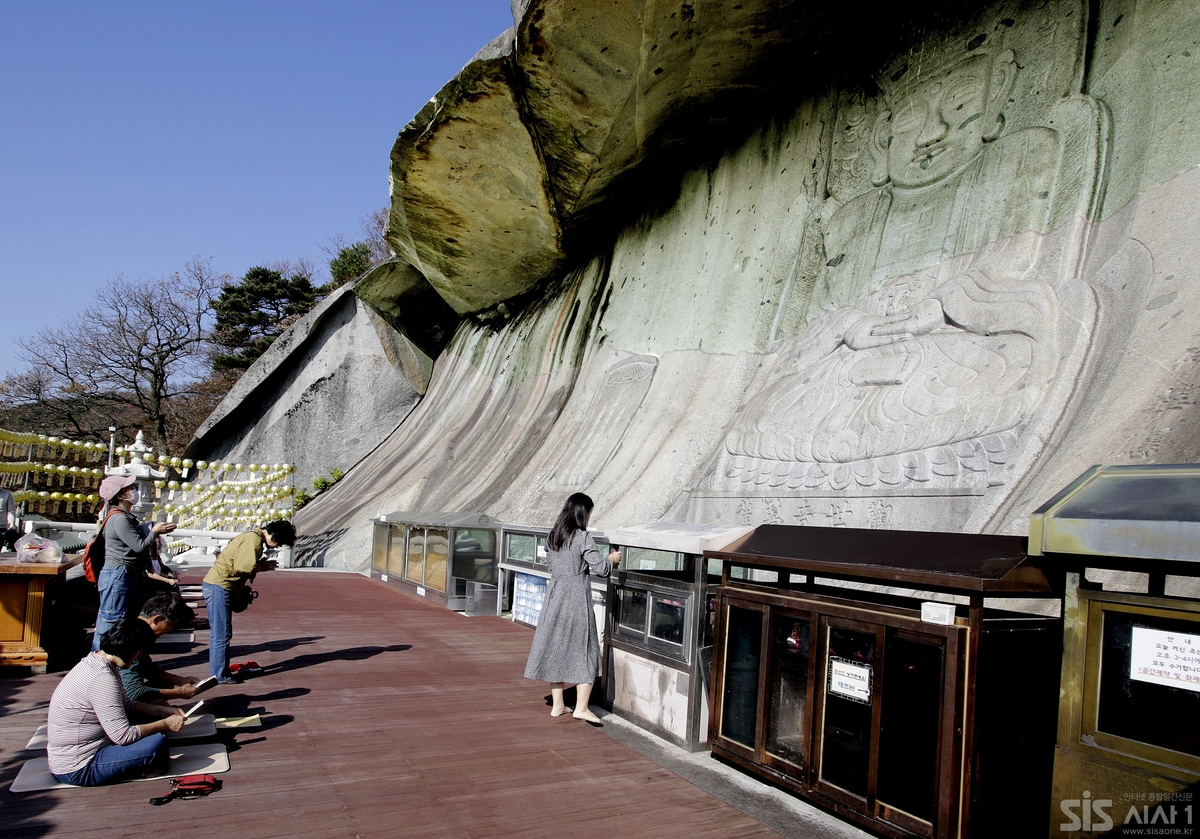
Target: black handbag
[[241, 596]]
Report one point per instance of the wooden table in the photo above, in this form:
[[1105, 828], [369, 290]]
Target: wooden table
[[22, 608]]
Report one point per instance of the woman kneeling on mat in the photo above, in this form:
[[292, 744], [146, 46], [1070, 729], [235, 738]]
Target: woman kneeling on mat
[[90, 740]]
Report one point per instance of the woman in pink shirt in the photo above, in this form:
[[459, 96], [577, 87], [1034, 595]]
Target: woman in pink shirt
[[91, 740]]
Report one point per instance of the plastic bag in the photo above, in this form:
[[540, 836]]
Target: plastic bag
[[32, 548]]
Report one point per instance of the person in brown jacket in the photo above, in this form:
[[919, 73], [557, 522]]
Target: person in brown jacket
[[236, 566]]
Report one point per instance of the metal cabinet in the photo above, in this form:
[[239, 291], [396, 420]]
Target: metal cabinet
[[859, 669], [523, 576], [658, 654], [1127, 750], [450, 558]]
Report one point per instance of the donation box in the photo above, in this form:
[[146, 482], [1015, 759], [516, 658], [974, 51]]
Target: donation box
[[1127, 754], [861, 669], [523, 576], [658, 650]]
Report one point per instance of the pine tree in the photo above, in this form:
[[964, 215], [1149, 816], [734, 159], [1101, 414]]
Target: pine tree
[[351, 262], [251, 314]]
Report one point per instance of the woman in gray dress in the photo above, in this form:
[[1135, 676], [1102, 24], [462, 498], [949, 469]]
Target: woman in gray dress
[[566, 649]]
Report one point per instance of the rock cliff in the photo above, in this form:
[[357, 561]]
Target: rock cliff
[[772, 262]]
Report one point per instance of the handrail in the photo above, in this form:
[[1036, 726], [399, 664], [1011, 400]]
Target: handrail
[[75, 527], [283, 554]]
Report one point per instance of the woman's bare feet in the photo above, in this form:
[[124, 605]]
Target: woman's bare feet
[[558, 712], [586, 715]]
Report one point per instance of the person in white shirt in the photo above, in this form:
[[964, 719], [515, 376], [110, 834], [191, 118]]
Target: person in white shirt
[[90, 738], [8, 521]]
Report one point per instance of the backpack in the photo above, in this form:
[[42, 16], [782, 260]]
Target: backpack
[[93, 552]]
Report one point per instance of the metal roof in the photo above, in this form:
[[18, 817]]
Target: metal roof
[[1141, 512], [683, 537], [955, 561], [425, 519]]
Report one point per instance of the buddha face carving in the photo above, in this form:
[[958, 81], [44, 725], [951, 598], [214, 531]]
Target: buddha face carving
[[938, 124]]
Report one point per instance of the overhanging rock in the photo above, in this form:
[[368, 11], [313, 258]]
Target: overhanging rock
[[401, 296], [607, 85], [564, 129], [470, 208]]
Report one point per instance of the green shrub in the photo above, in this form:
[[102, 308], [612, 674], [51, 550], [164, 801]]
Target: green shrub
[[319, 486]]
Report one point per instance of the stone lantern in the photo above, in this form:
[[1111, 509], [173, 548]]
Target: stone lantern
[[138, 468]]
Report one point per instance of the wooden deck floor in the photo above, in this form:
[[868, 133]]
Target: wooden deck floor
[[383, 716]]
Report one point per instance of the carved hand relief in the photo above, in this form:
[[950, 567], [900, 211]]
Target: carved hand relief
[[612, 408], [946, 314]]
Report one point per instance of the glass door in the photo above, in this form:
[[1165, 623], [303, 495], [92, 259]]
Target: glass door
[[884, 694], [379, 547], [849, 703], [395, 551], [788, 688], [414, 565], [909, 728], [741, 661], [437, 549]]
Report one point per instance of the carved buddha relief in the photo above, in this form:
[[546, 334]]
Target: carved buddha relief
[[945, 319]]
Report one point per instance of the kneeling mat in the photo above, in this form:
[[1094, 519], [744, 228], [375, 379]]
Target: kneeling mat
[[252, 721], [183, 636], [195, 728], [201, 758]]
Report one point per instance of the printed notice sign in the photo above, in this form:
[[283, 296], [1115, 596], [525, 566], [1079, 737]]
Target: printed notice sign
[[850, 679], [1165, 658]]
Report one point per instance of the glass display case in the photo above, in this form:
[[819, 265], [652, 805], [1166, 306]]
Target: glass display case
[[860, 669], [658, 652], [450, 558], [523, 576], [1128, 538]]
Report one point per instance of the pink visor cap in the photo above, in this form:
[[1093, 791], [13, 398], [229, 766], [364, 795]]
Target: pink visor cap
[[111, 486]]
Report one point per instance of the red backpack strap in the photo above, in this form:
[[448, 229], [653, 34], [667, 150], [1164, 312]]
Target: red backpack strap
[[94, 550], [104, 523]]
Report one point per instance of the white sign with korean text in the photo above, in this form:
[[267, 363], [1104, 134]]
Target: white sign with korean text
[[1165, 658], [849, 679]]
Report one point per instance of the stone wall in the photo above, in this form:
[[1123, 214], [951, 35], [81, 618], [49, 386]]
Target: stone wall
[[926, 294]]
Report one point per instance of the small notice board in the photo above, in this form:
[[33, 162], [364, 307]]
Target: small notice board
[[850, 679], [1165, 658]]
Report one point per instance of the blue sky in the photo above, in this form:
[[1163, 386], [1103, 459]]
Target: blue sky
[[137, 135]]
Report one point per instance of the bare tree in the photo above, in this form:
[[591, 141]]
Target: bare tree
[[137, 348], [375, 229], [189, 410], [38, 399]]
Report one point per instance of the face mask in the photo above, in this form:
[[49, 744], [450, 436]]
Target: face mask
[[134, 496]]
